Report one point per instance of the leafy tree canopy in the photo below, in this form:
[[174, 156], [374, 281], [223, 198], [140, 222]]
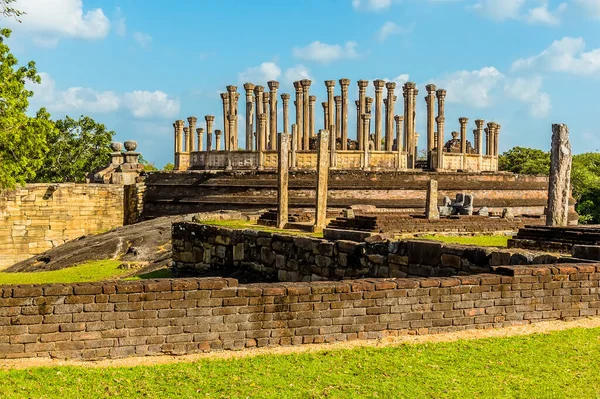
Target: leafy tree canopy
[[8, 10], [528, 161]]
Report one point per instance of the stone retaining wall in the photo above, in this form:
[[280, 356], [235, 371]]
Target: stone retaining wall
[[201, 248], [120, 319]]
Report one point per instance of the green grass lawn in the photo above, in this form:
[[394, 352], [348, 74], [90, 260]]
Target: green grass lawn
[[89, 271], [556, 365], [482, 240], [246, 224]]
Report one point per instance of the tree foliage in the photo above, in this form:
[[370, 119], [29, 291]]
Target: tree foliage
[[9, 11], [76, 147], [22, 138], [528, 161], [169, 167]]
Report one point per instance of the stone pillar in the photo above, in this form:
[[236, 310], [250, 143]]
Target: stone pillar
[[200, 134], [267, 141], [249, 87], [489, 138], [322, 181], [262, 134], [479, 139], [176, 142], [399, 119], [330, 84], [325, 113], [389, 123], [410, 128], [441, 98], [430, 100], [496, 138], [431, 206], [179, 125], [359, 125], [231, 135], [218, 139], [344, 83], [306, 118], [258, 109], [186, 138], [299, 112], [209, 129], [379, 85], [209, 141], [192, 128], [338, 116], [285, 99], [416, 150], [231, 119], [362, 108], [366, 119], [463, 134], [273, 86], [236, 136], [559, 184], [282, 180], [369, 110], [225, 98], [332, 156], [311, 108], [294, 146]]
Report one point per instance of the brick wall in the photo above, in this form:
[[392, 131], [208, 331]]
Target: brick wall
[[128, 318], [34, 218], [280, 257]]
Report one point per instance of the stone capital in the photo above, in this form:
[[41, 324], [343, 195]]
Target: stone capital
[[357, 103], [491, 126], [179, 123], [231, 89], [365, 117], [218, 133], [298, 85], [192, 120], [273, 84], [249, 87], [186, 130], [312, 99], [498, 126], [440, 93], [224, 96], [479, 123], [440, 119], [200, 130], [262, 117], [325, 104], [330, 84], [390, 86], [395, 98], [369, 100], [463, 120], [431, 89], [337, 99], [344, 82], [209, 118], [306, 82], [379, 84], [411, 85], [285, 97], [258, 89], [416, 92], [362, 84], [399, 118]]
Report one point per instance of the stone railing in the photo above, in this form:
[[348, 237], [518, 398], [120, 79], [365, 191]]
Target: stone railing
[[468, 162]]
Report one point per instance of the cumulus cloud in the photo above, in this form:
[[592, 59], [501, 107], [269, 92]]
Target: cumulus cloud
[[472, 88], [390, 29], [564, 55], [372, 5], [591, 7], [326, 53], [143, 39], [501, 10], [295, 73], [542, 15], [146, 104], [119, 23], [260, 74], [529, 91], [54, 19]]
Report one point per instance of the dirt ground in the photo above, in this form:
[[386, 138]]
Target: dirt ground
[[536, 328]]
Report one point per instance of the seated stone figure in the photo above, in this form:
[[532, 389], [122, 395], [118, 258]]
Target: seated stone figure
[[453, 145]]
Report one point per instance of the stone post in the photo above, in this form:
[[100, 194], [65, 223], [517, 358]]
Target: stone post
[[405, 131], [379, 85], [200, 134], [479, 136], [441, 98], [368, 110], [294, 146], [268, 129], [410, 126], [218, 139], [430, 100], [175, 141], [262, 135], [249, 87], [416, 150], [299, 112], [225, 98], [325, 113], [282, 180], [231, 135], [330, 84], [399, 119], [285, 99], [186, 138], [273, 86], [559, 184], [232, 119], [389, 122], [209, 129], [258, 109], [236, 137], [306, 93], [338, 116], [489, 138], [311, 108], [179, 125], [496, 138], [192, 128], [332, 141], [209, 142], [362, 108], [463, 134], [322, 181], [359, 124], [366, 119], [344, 83], [431, 201]]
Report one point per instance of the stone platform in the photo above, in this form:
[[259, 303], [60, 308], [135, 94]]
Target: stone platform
[[559, 239]]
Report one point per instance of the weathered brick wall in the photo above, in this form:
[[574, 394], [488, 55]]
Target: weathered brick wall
[[199, 248], [119, 319], [34, 218]]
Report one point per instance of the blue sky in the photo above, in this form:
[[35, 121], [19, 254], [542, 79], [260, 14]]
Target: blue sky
[[137, 65]]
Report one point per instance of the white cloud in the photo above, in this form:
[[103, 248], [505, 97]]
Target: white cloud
[[260, 74], [373, 5], [529, 91], [472, 88], [500, 9], [53, 19], [542, 15], [145, 104], [591, 7], [143, 39], [326, 53], [295, 73], [564, 55], [399, 80], [120, 25], [390, 28]]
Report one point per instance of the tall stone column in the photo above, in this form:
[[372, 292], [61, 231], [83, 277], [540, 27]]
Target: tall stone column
[[209, 142], [479, 137], [282, 180], [359, 127], [186, 138], [389, 122], [236, 136], [262, 134], [489, 138], [294, 146], [249, 87], [431, 206], [218, 140], [179, 125], [362, 100], [559, 184], [311, 107], [416, 150], [332, 149], [369, 110], [225, 98], [344, 83], [231, 135], [299, 103], [379, 85], [405, 131], [463, 134], [200, 134], [338, 116], [430, 100], [399, 119], [306, 94], [330, 84], [366, 119], [192, 128], [325, 113], [231, 120], [175, 140], [441, 98], [285, 99], [409, 120], [322, 181], [268, 129], [273, 86], [258, 109], [496, 138]]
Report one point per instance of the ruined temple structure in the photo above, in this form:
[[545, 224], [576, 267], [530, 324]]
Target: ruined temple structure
[[385, 140]]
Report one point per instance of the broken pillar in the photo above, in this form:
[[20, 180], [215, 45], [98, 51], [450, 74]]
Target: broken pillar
[[560, 177], [431, 207], [282, 181], [322, 180]]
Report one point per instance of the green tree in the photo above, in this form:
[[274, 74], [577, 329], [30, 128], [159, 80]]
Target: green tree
[[22, 138], [76, 147], [585, 180], [522, 160], [169, 167], [148, 166], [8, 10]]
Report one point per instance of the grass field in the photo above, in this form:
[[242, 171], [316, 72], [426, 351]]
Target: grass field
[[485, 241], [559, 364], [90, 271]]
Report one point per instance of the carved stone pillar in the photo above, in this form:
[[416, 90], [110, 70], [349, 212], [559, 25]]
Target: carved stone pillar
[[200, 134], [441, 98], [559, 183], [236, 136], [430, 100], [282, 180], [311, 108], [359, 126], [479, 137], [338, 116], [322, 181], [330, 84], [225, 98], [306, 94], [192, 128], [399, 133], [209, 142], [325, 113], [268, 129], [294, 146], [332, 156], [389, 121], [366, 119], [299, 103], [379, 85], [368, 110], [262, 134], [258, 109], [231, 135], [285, 99], [249, 87], [344, 83], [362, 101], [231, 120], [179, 124], [273, 86], [496, 138], [489, 137], [218, 140], [410, 127], [186, 138], [463, 134]]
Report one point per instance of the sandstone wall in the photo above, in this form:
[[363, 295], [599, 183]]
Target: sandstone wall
[[130, 318], [35, 218], [279, 257]]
